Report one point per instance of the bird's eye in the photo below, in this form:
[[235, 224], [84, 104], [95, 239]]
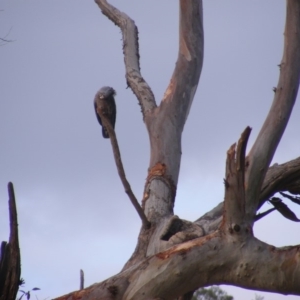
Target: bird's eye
[[101, 96]]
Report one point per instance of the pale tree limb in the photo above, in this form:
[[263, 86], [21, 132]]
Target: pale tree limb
[[183, 84], [121, 171], [165, 124], [131, 55], [164, 275], [272, 130]]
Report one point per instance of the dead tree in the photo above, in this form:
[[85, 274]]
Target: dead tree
[[174, 257], [10, 260]]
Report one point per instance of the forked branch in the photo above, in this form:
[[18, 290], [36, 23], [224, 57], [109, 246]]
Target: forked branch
[[131, 55], [272, 130]]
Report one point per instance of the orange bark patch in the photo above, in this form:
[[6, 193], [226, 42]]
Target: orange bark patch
[[183, 248], [158, 170]]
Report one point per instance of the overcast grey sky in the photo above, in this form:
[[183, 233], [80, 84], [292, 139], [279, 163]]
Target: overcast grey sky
[[73, 213]]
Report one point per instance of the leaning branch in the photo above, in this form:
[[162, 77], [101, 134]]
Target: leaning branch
[[131, 55], [10, 259], [272, 130], [283, 177], [121, 171]]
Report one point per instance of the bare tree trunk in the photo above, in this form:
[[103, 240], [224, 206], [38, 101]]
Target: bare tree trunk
[[174, 257]]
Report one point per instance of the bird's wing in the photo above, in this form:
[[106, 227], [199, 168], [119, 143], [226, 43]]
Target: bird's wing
[[98, 117], [114, 112]]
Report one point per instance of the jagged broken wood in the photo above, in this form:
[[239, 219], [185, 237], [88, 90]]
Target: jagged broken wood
[[10, 259]]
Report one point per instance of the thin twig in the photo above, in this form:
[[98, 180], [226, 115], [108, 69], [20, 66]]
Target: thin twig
[[3, 39], [293, 199], [263, 214], [119, 164]]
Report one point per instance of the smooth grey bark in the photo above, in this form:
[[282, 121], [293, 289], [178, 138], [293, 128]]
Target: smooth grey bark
[[273, 128], [174, 257]]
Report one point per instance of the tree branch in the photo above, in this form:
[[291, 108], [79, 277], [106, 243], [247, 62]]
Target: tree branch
[[272, 130], [185, 267], [121, 171], [293, 199], [234, 203], [131, 55], [166, 123], [283, 177], [180, 92], [263, 214], [5, 40]]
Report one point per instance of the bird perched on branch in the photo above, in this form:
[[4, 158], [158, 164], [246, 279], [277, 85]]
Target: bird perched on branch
[[104, 102]]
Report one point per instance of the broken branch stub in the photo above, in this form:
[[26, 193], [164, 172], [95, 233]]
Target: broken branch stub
[[10, 259], [234, 204]]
